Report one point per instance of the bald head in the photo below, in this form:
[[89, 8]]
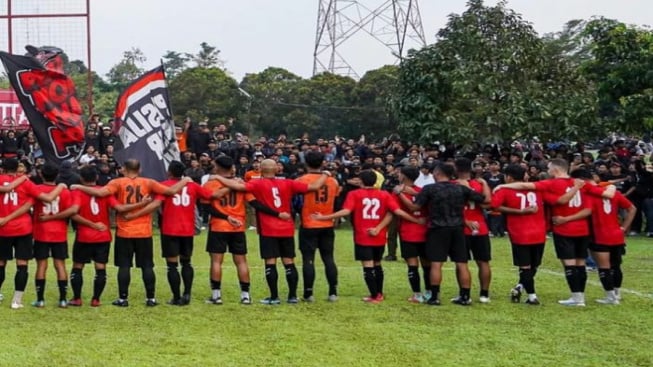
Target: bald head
[[268, 167]]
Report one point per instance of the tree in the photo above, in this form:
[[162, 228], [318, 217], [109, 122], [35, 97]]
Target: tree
[[207, 57], [205, 93], [174, 63], [372, 95], [622, 67], [128, 69], [490, 78]]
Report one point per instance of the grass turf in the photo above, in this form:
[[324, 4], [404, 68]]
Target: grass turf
[[348, 332]]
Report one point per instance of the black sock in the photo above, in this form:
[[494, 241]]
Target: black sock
[[485, 293], [413, 278], [378, 272], [331, 272], [216, 284], [617, 276], [272, 277], [581, 272], [173, 279], [607, 279], [2, 275], [99, 283], [187, 275], [40, 288], [244, 286], [427, 276], [370, 280], [570, 276], [526, 280], [308, 273], [149, 280], [464, 293], [76, 282], [435, 291], [292, 277], [124, 278], [20, 279], [63, 289]]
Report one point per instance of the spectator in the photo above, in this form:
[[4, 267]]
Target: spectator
[[67, 174]]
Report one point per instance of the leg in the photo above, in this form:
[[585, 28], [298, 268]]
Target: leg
[[187, 276], [39, 280], [216, 277], [99, 283], [308, 272], [243, 277], [174, 280], [272, 277], [292, 277], [62, 280]]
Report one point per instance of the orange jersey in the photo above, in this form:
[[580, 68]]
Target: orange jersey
[[251, 174], [232, 204], [320, 201], [181, 141], [131, 191]]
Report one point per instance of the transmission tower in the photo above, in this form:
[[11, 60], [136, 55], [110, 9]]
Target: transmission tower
[[397, 24]]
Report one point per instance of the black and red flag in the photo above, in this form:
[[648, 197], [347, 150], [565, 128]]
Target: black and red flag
[[144, 126], [49, 102]]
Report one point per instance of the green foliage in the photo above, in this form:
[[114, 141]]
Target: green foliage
[[207, 57], [490, 78], [205, 93], [622, 67], [174, 63], [128, 69]]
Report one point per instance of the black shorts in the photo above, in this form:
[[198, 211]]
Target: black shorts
[[274, 247], [220, 242], [127, 248], [368, 253], [478, 248], [568, 248], [616, 252], [413, 249], [173, 246], [55, 250], [313, 239], [84, 253], [446, 242], [19, 246], [530, 255]]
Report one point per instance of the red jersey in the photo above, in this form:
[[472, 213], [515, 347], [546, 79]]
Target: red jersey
[[523, 229], [94, 209], [553, 189], [12, 201], [409, 231], [52, 230], [368, 207], [605, 219], [474, 213], [178, 214], [276, 193]]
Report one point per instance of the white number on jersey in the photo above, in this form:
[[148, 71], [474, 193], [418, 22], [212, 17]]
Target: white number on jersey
[[10, 197], [526, 200], [52, 207], [607, 206], [371, 208], [277, 198], [182, 199], [576, 201], [95, 208]]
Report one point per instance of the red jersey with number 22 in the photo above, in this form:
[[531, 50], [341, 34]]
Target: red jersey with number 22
[[368, 207], [275, 193], [94, 209]]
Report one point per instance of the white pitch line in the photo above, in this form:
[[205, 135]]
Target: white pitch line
[[595, 283]]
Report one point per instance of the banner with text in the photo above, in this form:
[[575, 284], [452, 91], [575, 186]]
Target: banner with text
[[144, 126]]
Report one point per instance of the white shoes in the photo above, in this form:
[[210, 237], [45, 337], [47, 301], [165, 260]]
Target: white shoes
[[577, 300], [608, 301], [484, 299], [16, 305]]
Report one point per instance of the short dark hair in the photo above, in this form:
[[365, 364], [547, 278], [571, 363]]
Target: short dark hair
[[444, 168], [581, 173], [176, 169], [224, 162], [515, 171], [314, 159], [10, 165], [88, 174], [49, 172], [368, 177], [463, 165], [411, 172]]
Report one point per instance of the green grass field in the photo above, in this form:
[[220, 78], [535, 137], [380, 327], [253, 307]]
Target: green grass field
[[346, 333]]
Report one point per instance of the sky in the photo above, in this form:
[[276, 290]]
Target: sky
[[255, 34]]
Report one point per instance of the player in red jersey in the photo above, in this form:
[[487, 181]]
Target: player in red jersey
[[93, 237], [608, 235], [477, 234], [413, 236], [18, 195], [178, 229], [276, 234], [371, 211], [51, 236], [526, 224], [570, 236]]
